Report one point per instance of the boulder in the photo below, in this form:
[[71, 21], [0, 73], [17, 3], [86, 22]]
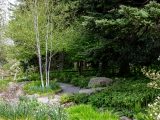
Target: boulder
[[99, 82]]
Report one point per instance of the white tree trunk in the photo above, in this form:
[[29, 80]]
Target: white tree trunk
[[46, 41], [38, 41]]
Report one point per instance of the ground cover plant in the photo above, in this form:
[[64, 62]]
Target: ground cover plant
[[34, 87], [30, 110], [3, 85], [128, 97]]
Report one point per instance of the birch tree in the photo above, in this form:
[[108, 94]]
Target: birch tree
[[36, 29], [46, 41]]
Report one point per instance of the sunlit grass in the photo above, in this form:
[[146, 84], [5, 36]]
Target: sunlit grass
[[86, 112]]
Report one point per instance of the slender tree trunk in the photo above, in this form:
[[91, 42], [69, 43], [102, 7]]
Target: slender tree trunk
[[38, 41], [50, 54], [46, 41]]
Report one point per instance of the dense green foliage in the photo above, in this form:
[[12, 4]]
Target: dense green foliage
[[126, 96], [106, 38], [86, 112], [71, 77]]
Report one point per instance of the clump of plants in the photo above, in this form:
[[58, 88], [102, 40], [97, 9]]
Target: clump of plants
[[66, 98], [80, 81], [35, 87], [72, 78], [87, 112], [125, 96], [4, 85], [31, 110], [154, 109]]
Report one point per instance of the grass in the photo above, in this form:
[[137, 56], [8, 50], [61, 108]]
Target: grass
[[34, 87], [4, 85], [30, 110], [87, 112]]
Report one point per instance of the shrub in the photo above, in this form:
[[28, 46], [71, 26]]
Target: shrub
[[79, 98], [142, 116], [30, 110], [65, 98], [80, 81], [33, 77], [71, 77], [65, 77], [86, 112], [125, 96], [35, 87], [4, 85], [154, 109]]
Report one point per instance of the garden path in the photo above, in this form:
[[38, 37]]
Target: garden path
[[15, 90]]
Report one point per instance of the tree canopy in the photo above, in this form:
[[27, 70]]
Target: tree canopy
[[103, 33]]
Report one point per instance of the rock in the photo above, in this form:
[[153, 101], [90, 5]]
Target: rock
[[31, 97], [99, 82], [90, 91], [19, 92], [44, 100], [124, 118]]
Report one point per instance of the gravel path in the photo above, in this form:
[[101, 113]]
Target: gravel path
[[67, 88], [15, 90]]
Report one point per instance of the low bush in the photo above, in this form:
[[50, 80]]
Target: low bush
[[34, 87], [65, 77], [87, 112], [79, 98], [154, 109], [30, 110], [33, 77], [142, 116], [4, 85], [66, 98], [71, 77], [126, 96], [80, 81]]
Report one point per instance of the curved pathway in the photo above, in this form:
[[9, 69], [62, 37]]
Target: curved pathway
[[68, 88], [15, 90]]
